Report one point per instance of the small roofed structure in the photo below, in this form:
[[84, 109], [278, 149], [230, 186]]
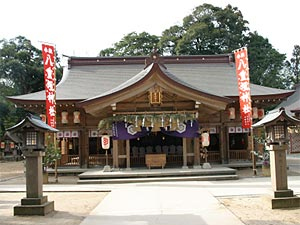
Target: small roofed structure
[[279, 120], [273, 117], [31, 123]]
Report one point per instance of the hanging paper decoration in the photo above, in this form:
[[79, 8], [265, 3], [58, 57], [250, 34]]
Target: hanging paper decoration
[[48, 53], [242, 71]]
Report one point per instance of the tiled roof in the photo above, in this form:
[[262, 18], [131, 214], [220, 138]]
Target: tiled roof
[[90, 77]]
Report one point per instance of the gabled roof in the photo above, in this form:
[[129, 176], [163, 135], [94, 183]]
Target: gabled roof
[[274, 116], [33, 121], [154, 75], [87, 77]]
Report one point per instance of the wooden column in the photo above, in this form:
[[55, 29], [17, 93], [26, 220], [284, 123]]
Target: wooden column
[[115, 154], [196, 153], [184, 153], [84, 148], [127, 154], [223, 139], [223, 144]]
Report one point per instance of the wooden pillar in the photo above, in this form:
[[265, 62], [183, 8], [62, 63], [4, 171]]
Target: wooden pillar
[[115, 154], [184, 153], [223, 144], [84, 148], [224, 152], [196, 153], [127, 154]]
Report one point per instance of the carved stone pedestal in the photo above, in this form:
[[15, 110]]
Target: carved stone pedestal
[[34, 203]]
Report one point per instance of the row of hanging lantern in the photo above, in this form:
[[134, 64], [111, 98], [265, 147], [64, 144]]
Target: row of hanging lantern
[[65, 117], [256, 113], [3, 145], [170, 121]]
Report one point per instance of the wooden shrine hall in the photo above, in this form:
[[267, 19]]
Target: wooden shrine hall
[[154, 109]]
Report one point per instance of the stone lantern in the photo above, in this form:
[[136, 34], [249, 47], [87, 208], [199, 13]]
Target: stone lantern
[[275, 125], [32, 131]]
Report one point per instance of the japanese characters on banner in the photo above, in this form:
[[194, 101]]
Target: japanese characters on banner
[[48, 53], [242, 71]]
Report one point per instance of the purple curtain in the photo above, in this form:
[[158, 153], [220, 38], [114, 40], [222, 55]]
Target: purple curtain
[[187, 129], [126, 131]]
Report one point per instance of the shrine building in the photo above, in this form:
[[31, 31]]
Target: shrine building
[[154, 105]]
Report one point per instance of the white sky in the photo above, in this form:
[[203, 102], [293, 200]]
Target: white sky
[[83, 28]]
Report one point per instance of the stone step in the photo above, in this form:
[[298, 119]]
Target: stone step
[[158, 179]]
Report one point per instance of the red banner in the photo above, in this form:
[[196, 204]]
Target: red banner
[[48, 52], [242, 72]]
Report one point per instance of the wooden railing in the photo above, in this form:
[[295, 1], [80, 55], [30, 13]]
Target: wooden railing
[[238, 154], [99, 160], [214, 156], [135, 161], [69, 160], [73, 160]]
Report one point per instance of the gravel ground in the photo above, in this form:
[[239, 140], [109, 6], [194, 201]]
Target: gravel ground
[[71, 208]]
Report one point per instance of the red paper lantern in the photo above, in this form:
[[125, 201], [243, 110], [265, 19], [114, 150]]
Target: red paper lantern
[[261, 113]]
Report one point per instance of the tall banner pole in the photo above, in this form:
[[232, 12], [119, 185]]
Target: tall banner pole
[[48, 53], [242, 72]]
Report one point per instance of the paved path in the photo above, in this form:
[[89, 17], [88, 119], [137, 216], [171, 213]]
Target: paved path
[[166, 203], [160, 205], [176, 202]]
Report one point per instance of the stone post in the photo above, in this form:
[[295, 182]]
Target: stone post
[[34, 203], [283, 197]]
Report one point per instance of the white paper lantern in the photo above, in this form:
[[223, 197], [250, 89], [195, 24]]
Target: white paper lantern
[[231, 113], [76, 115], [254, 113], [64, 117]]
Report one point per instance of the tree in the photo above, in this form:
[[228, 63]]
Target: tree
[[21, 72], [265, 63], [208, 30], [294, 65], [132, 44], [21, 65]]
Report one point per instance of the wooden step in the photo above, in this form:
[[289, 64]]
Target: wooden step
[[158, 179]]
